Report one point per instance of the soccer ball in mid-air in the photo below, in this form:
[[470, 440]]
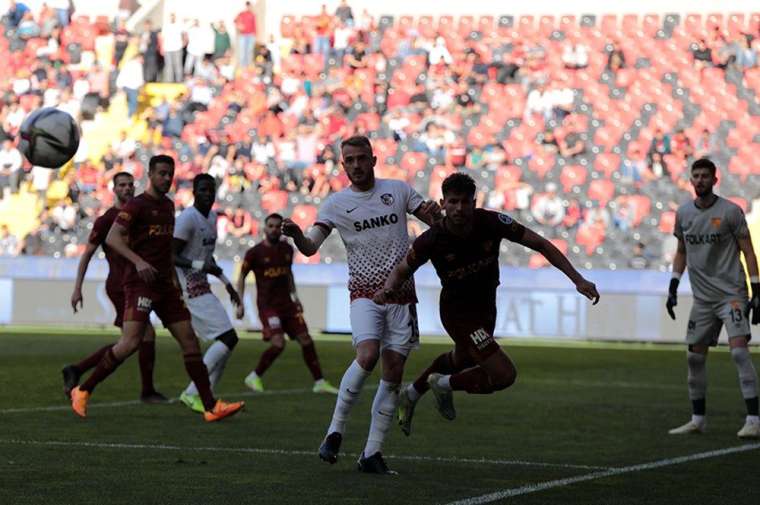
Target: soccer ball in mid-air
[[49, 137]]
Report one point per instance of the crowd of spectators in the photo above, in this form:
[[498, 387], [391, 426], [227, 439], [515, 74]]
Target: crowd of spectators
[[528, 110]]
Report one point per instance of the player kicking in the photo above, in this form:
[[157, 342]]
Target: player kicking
[[370, 216], [280, 311], [464, 249], [124, 190], [711, 233], [142, 233], [194, 243]]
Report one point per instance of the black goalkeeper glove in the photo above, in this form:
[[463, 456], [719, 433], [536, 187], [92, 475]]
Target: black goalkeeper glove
[[753, 307], [672, 297]]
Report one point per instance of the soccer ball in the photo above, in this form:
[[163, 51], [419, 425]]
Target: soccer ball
[[49, 137]]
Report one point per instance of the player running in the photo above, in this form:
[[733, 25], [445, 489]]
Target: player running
[[464, 249], [194, 243], [142, 234], [370, 216], [280, 310], [711, 233], [124, 190]]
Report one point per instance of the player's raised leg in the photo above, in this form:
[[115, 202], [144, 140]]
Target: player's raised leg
[[267, 358], [215, 410], [748, 385]]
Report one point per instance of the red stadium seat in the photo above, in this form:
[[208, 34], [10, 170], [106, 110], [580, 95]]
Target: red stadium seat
[[537, 260], [541, 163], [304, 215], [412, 163], [300, 259], [601, 190], [571, 176], [274, 201], [590, 237], [667, 222]]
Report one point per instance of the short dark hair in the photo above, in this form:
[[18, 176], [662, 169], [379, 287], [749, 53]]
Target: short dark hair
[[122, 174], [357, 141], [458, 182], [160, 158], [273, 215], [203, 177], [704, 163]]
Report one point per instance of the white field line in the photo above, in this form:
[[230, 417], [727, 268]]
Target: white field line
[[285, 392], [289, 452], [542, 486]]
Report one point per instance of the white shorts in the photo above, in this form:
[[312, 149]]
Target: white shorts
[[209, 319], [395, 326], [706, 320]]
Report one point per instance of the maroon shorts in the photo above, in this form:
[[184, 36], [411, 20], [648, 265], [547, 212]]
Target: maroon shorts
[[116, 295], [471, 329], [282, 321], [165, 298]]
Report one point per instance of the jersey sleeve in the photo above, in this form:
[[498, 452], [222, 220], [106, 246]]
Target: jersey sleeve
[[413, 199], [249, 260], [128, 214], [183, 227], [737, 223], [326, 215], [99, 232], [421, 250], [503, 226], [677, 227]]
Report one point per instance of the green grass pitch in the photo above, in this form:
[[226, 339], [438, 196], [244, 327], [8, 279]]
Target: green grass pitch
[[570, 431]]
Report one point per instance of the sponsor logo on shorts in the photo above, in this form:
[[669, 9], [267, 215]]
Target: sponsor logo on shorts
[[144, 303], [274, 322], [692, 325], [481, 338], [386, 198]]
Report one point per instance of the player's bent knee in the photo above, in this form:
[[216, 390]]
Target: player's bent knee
[[229, 338], [505, 380]]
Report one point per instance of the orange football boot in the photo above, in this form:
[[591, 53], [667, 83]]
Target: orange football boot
[[222, 410], [79, 401]]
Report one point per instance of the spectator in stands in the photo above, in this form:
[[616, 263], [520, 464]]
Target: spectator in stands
[[439, 54], [16, 12], [615, 57], [10, 167], [342, 38], [505, 66], [633, 167], [548, 208], [64, 216], [660, 144], [548, 141], [200, 42], [322, 33], [121, 41], [172, 44], [705, 145], [702, 54], [131, 81], [658, 167], [240, 223], [28, 27], [681, 146], [572, 144], [639, 258], [746, 56], [62, 10], [344, 13], [9, 244], [575, 55], [149, 47], [357, 57], [222, 42], [245, 23]]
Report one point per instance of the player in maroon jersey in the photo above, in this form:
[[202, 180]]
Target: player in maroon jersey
[[280, 310], [464, 249], [124, 190], [142, 234]]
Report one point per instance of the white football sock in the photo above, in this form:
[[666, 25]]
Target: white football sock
[[383, 414], [747, 372], [350, 386], [412, 393], [444, 383], [697, 419], [215, 360], [753, 419]]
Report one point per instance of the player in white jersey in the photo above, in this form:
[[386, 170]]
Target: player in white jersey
[[711, 233], [194, 242], [370, 216]]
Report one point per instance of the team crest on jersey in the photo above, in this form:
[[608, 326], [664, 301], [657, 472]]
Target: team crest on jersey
[[126, 216], [715, 222], [505, 218], [387, 198]]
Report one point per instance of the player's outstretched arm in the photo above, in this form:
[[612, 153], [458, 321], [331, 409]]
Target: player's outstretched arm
[[679, 265], [539, 244], [309, 243], [429, 212], [84, 262], [117, 240], [400, 274], [753, 308]]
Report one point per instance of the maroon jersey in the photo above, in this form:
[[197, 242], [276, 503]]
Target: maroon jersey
[[116, 262], [150, 225], [271, 264], [467, 266]]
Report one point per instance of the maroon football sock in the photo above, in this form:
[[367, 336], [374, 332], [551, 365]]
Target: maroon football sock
[[147, 359], [104, 368], [198, 373], [312, 361], [442, 364], [473, 380], [92, 360], [267, 358]]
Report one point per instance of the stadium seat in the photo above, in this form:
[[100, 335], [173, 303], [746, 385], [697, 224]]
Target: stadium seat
[[571, 176], [601, 190], [667, 222]]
